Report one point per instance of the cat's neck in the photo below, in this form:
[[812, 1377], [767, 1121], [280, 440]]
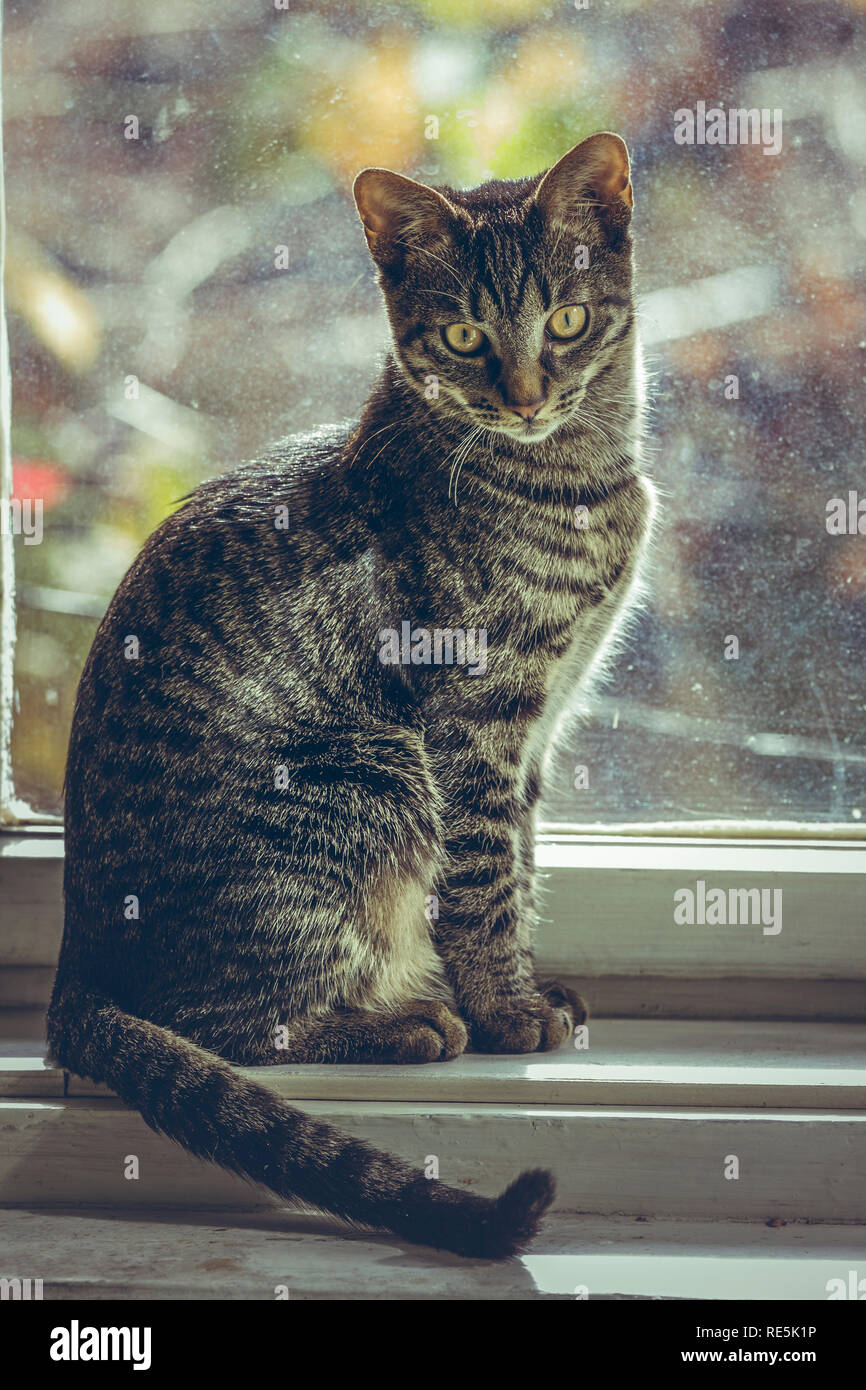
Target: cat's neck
[[407, 441]]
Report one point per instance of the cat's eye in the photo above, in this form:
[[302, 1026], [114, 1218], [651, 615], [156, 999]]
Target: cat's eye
[[570, 322], [464, 338]]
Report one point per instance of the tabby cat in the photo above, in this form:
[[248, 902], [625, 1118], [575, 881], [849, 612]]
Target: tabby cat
[[291, 838]]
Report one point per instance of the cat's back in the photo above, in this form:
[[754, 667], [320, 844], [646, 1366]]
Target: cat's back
[[207, 628]]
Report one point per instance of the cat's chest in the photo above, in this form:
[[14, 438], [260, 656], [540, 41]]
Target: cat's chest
[[511, 603], [546, 565]]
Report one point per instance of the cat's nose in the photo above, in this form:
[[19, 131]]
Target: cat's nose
[[530, 410]]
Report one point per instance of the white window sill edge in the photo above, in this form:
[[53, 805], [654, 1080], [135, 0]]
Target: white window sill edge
[[802, 848]]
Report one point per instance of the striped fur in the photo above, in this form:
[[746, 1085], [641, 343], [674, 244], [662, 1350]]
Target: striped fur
[[279, 848]]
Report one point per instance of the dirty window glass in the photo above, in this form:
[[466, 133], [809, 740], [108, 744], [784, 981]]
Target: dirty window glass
[[187, 280]]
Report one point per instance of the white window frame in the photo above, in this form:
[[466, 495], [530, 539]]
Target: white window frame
[[608, 924]]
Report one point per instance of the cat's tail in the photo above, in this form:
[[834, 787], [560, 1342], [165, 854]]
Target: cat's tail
[[198, 1100]]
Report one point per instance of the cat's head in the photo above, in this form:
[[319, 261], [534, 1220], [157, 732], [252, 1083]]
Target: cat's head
[[507, 300]]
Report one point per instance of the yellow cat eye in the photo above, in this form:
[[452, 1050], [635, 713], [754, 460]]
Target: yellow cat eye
[[463, 337], [569, 322]]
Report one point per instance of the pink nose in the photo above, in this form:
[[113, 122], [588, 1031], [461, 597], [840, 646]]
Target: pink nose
[[529, 411]]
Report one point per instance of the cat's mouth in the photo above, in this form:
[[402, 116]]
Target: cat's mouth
[[530, 431]]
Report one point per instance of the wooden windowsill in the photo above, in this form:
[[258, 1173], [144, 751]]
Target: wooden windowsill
[[665, 1063]]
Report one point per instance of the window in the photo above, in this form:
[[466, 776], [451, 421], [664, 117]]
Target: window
[[187, 280]]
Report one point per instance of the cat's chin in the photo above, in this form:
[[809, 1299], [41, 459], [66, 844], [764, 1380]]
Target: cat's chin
[[529, 437]]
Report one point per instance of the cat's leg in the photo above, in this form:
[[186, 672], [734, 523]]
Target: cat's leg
[[484, 930], [527, 877], [426, 1032], [251, 1029], [556, 993], [325, 918]]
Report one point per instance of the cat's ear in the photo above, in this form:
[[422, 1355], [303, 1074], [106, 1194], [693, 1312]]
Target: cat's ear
[[595, 172], [398, 212]]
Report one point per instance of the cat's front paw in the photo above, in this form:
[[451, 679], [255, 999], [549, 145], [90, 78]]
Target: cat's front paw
[[538, 1024], [430, 1032], [559, 996]]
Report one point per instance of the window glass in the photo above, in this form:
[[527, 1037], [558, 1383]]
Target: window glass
[[187, 281]]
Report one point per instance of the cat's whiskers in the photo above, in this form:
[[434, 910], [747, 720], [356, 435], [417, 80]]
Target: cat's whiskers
[[462, 451], [486, 438], [480, 431], [391, 425], [607, 425], [424, 251], [601, 430], [555, 248], [445, 295], [454, 451], [615, 443], [382, 450]]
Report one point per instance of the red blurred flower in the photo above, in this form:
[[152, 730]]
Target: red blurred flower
[[39, 478]]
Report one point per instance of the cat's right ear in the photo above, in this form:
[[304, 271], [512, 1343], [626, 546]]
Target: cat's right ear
[[399, 213], [594, 174]]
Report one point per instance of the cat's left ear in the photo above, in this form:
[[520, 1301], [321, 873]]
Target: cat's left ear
[[595, 172], [398, 213]]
